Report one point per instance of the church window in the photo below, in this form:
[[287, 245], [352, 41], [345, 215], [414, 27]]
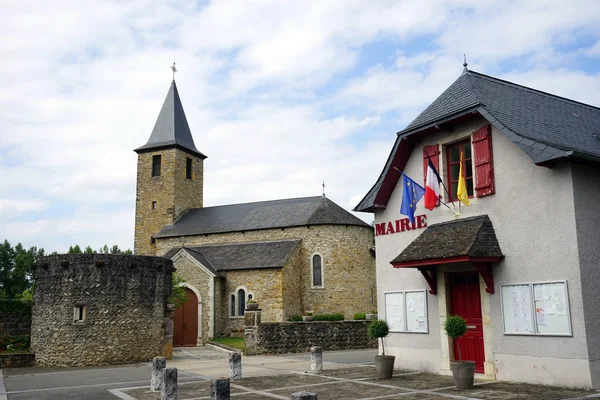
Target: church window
[[152, 240], [317, 270], [156, 165], [241, 302], [232, 306], [188, 168], [154, 205]]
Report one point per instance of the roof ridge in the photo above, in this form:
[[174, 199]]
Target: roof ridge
[[256, 202], [457, 220], [532, 90], [192, 247]]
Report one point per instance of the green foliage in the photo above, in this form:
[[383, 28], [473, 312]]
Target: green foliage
[[74, 250], [295, 318], [237, 343], [103, 250], [14, 342], [455, 326], [360, 316], [379, 329], [18, 308], [89, 250], [16, 269], [329, 317], [178, 296]]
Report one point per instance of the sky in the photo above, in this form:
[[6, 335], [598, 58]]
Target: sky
[[280, 95]]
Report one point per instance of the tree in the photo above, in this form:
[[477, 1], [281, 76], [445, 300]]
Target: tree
[[16, 269], [74, 249], [89, 250], [178, 295]]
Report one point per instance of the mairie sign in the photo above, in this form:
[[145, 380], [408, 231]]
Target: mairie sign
[[400, 225]]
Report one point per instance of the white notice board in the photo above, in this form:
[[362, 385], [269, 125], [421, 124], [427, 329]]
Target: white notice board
[[539, 308], [552, 308], [394, 311], [416, 311], [517, 309]]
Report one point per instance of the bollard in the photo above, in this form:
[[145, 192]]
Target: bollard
[[157, 379], [169, 389], [316, 359], [235, 366], [219, 389], [304, 396]]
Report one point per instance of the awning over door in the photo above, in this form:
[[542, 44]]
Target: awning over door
[[463, 240]]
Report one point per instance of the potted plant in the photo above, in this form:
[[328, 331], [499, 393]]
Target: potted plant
[[307, 316], [384, 365], [372, 315], [252, 304], [463, 372]]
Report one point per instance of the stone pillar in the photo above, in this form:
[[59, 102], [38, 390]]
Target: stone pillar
[[169, 389], [157, 379], [316, 359], [167, 344], [304, 396], [219, 389], [251, 323], [235, 366]]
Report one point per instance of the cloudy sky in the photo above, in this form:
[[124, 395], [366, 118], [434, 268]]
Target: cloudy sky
[[279, 95]]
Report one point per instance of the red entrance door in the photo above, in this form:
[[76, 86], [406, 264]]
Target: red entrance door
[[185, 322], [466, 301]]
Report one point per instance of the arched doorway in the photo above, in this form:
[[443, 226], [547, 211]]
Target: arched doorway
[[185, 321]]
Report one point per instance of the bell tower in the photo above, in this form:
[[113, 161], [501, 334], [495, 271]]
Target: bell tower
[[170, 174]]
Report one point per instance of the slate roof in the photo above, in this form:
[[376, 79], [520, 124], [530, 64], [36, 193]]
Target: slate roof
[[473, 237], [239, 256], [171, 128], [546, 127], [284, 213]]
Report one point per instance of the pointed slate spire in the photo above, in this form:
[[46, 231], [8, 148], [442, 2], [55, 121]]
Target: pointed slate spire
[[171, 128]]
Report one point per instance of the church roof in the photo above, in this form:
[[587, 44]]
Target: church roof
[[303, 211], [548, 128], [171, 128], [237, 256]]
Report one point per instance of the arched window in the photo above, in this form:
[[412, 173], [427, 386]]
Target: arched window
[[317, 270], [232, 306], [241, 301]]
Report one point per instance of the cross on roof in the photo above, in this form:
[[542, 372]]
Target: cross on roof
[[174, 69]]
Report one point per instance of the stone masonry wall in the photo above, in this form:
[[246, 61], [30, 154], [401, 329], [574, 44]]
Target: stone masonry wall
[[15, 317], [171, 190], [285, 337], [348, 267], [124, 299]]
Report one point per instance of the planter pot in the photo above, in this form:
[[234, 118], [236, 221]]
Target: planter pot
[[306, 318], [384, 366], [252, 306], [371, 317], [463, 373]]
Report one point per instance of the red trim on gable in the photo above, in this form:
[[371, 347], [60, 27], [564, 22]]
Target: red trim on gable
[[451, 260], [405, 149]]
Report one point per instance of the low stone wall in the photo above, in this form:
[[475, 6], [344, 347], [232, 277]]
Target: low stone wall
[[285, 337], [15, 317], [17, 360]]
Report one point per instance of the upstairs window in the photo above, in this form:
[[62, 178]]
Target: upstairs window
[[453, 166], [188, 168], [317, 270], [156, 165]]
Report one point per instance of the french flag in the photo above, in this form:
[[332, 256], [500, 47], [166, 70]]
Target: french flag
[[432, 186]]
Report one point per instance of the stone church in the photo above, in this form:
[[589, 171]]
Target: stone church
[[290, 255]]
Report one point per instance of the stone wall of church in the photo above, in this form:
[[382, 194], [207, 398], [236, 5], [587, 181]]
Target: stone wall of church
[[348, 267], [171, 191], [95, 309]]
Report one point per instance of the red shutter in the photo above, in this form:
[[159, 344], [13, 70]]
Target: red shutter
[[484, 161], [434, 154]]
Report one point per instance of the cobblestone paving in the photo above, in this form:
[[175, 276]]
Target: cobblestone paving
[[359, 383]]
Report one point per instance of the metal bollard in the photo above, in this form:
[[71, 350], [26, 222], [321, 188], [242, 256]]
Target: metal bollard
[[169, 390], [157, 379], [316, 359], [235, 366], [219, 389], [304, 396]]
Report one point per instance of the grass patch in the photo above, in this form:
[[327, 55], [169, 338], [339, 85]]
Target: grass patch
[[238, 343]]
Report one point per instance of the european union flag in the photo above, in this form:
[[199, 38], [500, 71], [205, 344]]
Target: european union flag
[[411, 195]]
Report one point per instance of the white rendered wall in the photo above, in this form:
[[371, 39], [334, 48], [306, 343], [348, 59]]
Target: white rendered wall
[[533, 216]]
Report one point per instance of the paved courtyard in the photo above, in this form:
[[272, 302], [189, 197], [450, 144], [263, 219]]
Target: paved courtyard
[[347, 375]]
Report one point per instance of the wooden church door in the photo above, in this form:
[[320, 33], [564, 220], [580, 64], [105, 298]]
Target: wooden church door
[[185, 322]]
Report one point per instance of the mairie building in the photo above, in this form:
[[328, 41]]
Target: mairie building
[[521, 263], [290, 255]]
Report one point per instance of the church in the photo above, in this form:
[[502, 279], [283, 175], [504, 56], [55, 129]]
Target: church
[[289, 255]]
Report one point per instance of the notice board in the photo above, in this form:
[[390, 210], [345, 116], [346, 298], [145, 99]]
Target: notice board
[[517, 309], [394, 315], [407, 311]]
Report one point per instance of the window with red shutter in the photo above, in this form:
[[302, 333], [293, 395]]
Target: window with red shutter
[[433, 153], [484, 162]]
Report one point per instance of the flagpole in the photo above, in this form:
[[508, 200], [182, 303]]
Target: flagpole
[[442, 182], [440, 200]]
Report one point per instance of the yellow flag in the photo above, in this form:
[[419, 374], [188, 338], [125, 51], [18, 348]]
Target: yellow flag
[[461, 192]]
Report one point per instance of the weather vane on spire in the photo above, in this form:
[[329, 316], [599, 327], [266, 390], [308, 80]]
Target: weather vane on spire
[[174, 69], [465, 61], [323, 184]]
